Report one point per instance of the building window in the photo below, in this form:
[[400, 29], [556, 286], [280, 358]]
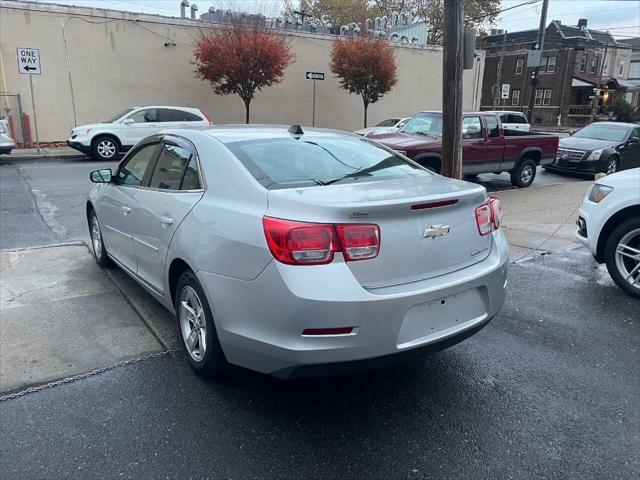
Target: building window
[[519, 66], [594, 64], [547, 97], [621, 69], [515, 97], [605, 69], [539, 94], [583, 63], [551, 64]]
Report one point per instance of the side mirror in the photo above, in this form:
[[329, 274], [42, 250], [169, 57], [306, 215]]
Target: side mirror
[[572, 132], [634, 140], [128, 121], [101, 176]]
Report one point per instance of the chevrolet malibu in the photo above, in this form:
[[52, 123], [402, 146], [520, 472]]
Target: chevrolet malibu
[[300, 252]]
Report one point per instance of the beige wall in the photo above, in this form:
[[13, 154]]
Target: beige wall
[[116, 62]]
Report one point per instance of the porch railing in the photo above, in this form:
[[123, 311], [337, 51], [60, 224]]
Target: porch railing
[[580, 110]]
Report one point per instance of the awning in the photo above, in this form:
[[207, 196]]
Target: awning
[[579, 83]]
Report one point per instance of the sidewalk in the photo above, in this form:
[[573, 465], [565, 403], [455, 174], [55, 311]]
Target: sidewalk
[[541, 220], [46, 154]]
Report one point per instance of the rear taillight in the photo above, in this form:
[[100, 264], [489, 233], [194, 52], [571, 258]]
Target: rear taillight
[[207, 118], [300, 243], [489, 216]]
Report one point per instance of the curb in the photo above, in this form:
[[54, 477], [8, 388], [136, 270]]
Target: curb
[[8, 159]]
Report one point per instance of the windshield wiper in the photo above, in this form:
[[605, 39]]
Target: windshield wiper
[[355, 174]]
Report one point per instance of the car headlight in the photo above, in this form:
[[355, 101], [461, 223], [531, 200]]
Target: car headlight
[[599, 192], [595, 155]]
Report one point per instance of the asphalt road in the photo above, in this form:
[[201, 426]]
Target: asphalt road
[[43, 202], [549, 390]]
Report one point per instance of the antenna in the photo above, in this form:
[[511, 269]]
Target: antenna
[[295, 130]]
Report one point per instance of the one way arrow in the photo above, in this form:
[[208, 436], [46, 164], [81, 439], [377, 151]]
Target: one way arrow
[[27, 68]]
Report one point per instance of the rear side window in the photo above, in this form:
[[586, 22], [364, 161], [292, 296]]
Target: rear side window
[[309, 160], [170, 168], [519, 118], [493, 130], [132, 172], [190, 117], [169, 115]]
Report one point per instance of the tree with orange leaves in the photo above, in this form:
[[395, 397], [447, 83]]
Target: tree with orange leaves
[[242, 60], [365, 67]]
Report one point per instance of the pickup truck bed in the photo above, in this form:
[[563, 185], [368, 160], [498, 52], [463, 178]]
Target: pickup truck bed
[[487, 146]]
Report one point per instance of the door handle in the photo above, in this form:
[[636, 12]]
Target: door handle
[[126, 210], [166, 221]]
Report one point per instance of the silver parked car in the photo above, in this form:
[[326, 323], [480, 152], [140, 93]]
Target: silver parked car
[[300, 252]]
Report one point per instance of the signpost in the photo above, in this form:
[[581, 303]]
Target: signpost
[[504, 94], [314, 76], [29, 64]]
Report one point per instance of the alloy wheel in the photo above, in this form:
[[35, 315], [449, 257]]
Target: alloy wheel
[[527, 174], [106, 148], [612, 166], [192, 323], [96, 237], [628, 258]]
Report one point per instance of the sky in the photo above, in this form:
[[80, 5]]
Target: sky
[[621, 17]]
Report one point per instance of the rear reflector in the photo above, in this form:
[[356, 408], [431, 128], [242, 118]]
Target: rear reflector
[[489, 216], [328, 331], [424, 206], [300, 243]]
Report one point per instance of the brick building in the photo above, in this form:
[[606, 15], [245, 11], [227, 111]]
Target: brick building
[[574, 60]]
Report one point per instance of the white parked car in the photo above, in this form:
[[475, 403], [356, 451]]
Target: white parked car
[[104, 141], [609, 225], [390, 125], [6, 142], [513, 120]]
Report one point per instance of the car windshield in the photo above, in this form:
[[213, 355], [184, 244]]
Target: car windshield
[[613, 133], [425, 123], [319, 160], [120, 115], [390, 122]]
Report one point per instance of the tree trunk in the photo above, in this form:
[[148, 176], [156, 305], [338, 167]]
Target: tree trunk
[[246, 106], [366, 105]]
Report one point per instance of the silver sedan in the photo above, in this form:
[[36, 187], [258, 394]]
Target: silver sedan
[[300, 252]]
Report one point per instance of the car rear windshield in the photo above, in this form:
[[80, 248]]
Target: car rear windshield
[[309, 160], [612, 133]]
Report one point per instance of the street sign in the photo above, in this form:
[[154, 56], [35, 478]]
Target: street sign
[[315, 76], [534, 58], [504, 93], [28, 61]]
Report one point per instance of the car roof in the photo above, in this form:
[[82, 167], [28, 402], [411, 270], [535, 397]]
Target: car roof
[[166, 106], [498, 112], [618, 124], [240, 132], [464, 113]]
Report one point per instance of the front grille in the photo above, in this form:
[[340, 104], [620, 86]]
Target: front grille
[[571, 155]]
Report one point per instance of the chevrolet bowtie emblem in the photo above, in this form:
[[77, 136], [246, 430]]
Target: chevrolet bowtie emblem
[[436, 231]]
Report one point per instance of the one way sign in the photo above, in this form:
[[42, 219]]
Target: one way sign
[[29, 61], [315, 76]]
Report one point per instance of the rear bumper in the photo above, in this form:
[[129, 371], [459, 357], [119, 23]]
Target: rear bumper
[[260, 322]]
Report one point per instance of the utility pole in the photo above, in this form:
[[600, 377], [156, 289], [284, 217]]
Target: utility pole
[[536, 71], [596, 94], [453, 64], [496, 96]]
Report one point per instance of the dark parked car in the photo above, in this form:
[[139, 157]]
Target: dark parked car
[[600, 147], [486, 146]]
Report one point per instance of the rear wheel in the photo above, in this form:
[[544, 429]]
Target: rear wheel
[[524, 174], [199, 335], [104, 148], [622, 255]]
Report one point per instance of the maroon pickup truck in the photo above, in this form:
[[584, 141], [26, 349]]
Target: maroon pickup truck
[[487, 147]]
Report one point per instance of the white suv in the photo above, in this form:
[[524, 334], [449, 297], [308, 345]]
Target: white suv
[[609, 225], [104, 141], [512, 120], [6, 142]]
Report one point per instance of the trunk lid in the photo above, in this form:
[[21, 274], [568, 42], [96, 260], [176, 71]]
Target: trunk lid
[[407, 251]]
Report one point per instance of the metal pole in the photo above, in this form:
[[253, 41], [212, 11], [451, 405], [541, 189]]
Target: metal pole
[[453, 64], [313, 108], [35, 119], [596, 94], [536, 70]]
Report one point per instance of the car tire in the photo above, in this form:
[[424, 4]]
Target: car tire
[[97, 244], [197, 328], [524, 174], [612, 165], [105, 148], [619, 265]]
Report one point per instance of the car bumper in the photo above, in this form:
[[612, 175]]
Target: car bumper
[[79, 146], [260, 322], [582, 167]]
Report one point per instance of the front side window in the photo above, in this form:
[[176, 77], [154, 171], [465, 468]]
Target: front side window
[[425, 123], [493, 130], [148, 115], [471, 128], [132, 172], [170, 168], [519, 66], [119, 116], [515, 97], [319, 160], [551, 64]]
